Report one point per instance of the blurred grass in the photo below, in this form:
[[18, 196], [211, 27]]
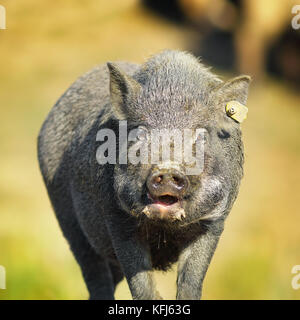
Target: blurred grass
[[45, 47]]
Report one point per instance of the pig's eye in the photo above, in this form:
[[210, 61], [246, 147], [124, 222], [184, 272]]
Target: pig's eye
[[142, 133], [223, 134], [201, 137]]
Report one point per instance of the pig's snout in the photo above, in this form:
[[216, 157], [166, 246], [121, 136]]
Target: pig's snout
[[171, 182], [166, 188]]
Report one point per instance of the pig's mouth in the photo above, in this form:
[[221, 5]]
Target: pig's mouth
[[165, 200], [166, 206]]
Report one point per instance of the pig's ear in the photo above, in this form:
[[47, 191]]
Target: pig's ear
[[236, 89], [122, 89]]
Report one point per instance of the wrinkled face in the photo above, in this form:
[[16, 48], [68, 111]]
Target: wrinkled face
[[164, 184]]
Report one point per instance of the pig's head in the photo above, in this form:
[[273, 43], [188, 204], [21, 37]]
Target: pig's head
[[174, 91]]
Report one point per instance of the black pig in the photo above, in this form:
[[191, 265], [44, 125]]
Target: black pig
[[129, 219]]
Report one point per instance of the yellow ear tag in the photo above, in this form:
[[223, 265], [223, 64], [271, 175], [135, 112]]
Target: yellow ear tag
[[236, 111]]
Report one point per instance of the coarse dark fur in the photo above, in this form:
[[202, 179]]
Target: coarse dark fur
[[99, 207]]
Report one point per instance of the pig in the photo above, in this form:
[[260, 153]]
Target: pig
[[124, 219]]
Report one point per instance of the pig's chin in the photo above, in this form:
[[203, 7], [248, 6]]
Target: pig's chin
[[164, 207]]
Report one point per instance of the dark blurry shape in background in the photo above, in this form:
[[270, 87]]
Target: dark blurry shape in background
[[246, 36], [169, 9], [284, 58]]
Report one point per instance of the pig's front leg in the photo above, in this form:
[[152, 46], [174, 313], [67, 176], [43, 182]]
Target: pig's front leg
[[194, 262], [135, 260]]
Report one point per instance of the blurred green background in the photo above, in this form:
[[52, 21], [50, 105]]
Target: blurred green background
[[46, 46]]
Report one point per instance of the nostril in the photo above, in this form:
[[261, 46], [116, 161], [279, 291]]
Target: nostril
[[178, 181], [158, 179], [168, 180]]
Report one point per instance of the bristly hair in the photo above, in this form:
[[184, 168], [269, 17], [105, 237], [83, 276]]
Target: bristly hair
[[170, 62]]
